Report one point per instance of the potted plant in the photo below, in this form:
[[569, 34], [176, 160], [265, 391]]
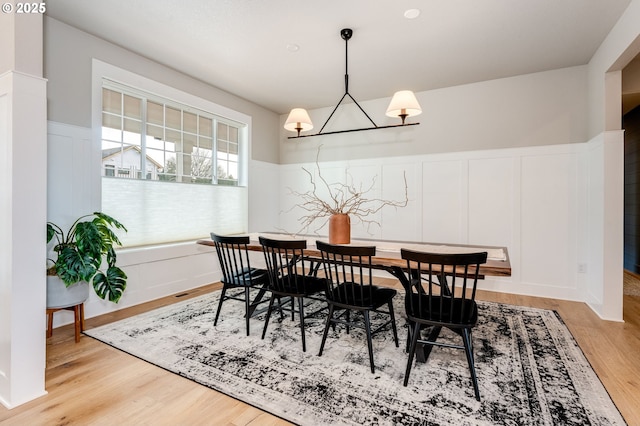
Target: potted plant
[[81, 252]]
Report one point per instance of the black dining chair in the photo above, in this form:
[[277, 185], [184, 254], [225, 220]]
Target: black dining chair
[[350, 289], [237, 273], [292, 278], [440, 291]]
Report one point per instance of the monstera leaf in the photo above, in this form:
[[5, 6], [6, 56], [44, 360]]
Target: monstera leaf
[[110, 285], [83, 249]]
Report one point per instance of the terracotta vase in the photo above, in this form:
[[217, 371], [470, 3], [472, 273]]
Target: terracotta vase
[[339, 229]]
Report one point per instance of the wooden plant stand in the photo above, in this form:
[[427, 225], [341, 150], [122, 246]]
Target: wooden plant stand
[[78, 312]]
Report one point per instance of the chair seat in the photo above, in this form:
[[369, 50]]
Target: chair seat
[[440, 310], [248, 277], [312, 285], [351, 294]]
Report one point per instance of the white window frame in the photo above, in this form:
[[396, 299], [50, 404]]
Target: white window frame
[[148, 97]]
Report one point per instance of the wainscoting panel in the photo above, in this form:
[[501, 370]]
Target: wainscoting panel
[[264, 190], [492, 201], [523, 198], [72, 190], [444, 201], [402, 223], [548, 188], [293, 180], [367, 179]]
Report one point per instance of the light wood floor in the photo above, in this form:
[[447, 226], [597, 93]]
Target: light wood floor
[[92, 383]]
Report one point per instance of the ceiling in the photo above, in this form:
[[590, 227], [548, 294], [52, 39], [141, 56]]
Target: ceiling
[[245, 46]]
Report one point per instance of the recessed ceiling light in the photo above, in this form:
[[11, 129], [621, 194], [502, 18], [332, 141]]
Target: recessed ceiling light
[[292, 47], [411, 13]]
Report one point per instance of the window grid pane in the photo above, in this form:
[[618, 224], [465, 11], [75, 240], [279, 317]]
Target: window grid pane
[[132, 107], [227, 154], [111, 101], [155, 113]]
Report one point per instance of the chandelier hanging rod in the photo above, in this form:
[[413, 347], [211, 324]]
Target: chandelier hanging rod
[[346, 34]]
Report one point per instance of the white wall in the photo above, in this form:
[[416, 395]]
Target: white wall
[[22, 226], [606, 207], [264, 191], [605, 228]]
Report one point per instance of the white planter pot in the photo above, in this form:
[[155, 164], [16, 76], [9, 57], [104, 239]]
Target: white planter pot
[[60, 296]]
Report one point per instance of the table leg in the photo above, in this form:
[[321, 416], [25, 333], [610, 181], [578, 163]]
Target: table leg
[[422, 350], [256, 301]]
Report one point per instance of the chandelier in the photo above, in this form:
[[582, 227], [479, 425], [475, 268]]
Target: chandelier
[[403, 104]]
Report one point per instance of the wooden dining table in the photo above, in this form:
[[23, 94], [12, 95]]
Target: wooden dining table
[[388, 258], [388, 252]]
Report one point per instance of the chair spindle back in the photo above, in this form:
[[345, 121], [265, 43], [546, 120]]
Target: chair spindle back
[[233, 256], [286, 264], [348, 272]]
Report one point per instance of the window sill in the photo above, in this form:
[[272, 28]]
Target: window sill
[[158, 253]]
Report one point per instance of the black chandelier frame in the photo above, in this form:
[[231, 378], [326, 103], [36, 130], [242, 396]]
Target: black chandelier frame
[[346, 34]]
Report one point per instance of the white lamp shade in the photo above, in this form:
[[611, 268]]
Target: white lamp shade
[[404, 102], [298, 119]]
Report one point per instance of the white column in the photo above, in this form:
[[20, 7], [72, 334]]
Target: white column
[[613, 224], [23, 194]]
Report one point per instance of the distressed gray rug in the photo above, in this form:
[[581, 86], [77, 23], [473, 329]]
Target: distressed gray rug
[[530, 369]]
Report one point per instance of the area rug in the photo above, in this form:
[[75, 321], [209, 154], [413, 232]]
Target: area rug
[[530, 369]]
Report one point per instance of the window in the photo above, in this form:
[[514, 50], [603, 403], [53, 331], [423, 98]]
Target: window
[[170, 172], [150, 139]]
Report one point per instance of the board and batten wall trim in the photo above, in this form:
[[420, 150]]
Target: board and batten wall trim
[[533, 200]]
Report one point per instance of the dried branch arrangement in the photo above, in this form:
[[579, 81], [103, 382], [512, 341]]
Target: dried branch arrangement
[[344, 198]]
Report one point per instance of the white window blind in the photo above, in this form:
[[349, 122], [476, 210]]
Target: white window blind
[[162, 212]]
